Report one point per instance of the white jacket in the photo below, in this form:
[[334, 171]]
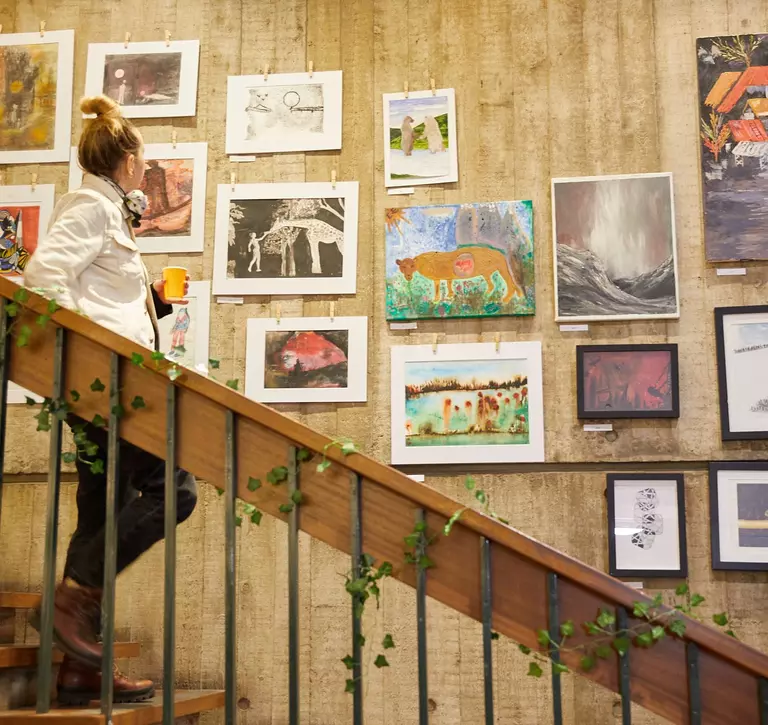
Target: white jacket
[[89, 262]]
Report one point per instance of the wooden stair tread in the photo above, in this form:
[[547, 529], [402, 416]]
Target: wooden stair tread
[[188, 702], [19, 600], [25, 655]]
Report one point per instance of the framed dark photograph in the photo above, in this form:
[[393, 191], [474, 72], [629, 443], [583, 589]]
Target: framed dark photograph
[[738, 513], [646, 525], [627, 381], [742, 362]]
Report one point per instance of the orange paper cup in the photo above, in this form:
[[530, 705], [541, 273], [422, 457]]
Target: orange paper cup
[[175, 281]]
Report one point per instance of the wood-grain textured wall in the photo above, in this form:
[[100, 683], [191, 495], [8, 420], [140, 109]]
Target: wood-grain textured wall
[[544, 88]]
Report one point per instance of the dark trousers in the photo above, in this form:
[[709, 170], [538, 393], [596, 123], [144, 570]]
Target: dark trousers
[[140, 508]]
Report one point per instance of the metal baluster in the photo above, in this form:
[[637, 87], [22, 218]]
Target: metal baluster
[[554, 635], [485, 579], [624, 682], [763, 694], [694, 685], [293, 592], [355, 506], [230, 641], [5, 359], [169, 623], [421, 627], [45, 656], [110, 541]]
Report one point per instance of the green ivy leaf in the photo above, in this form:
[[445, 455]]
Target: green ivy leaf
[[534, 670], [238, 520], [360, 640], [118, 411], [248, 509], [381, 661], [157, 356], [645, 639], [348, 448], [603, 652], [588, 663], [605, 619], [254, 484], [721, 620], [277, 475], [97, 467], [658, 633], [137, 359], [297, 497], [642, 610], [731, 633], [388, 642], [11, 309], [385, 569], [543, 637], [213, 364], [480, 496], [91, 449], [21, 295], [567, 629], [367, 560], [351, 686], [220, 491], [425, 562], [99, 421], [25, 333], [323, 466], [420, 527], [681, 590], [69, 457], [256, 517], [138, 402], [592, 629], [97, 386], [31, 402], [349, 662], [495, 636], [412, 540], [285, 508], [697, 600], [356, 586], [451, 521], [469, 483], [174, 373], [658, 600], [303, 455], [677, 627], [53, 306], [559, 669], [525, 650], [234, 384], [42, 320], [74, 395], [622, 645]]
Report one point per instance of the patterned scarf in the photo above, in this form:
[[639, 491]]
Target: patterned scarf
[[135, 201]]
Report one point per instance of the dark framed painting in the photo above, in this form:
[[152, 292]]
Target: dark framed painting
[[738, 513], [646, 525], [742, 362], [627, 381]]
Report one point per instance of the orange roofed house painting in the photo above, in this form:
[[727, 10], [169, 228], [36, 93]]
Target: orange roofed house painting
[[733, 135]]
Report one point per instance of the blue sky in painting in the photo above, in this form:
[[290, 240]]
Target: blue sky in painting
[[417, 109], [464, 371], [753, 333]]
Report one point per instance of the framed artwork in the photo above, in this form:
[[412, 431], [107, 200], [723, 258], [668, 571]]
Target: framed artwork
[[420, 138], [742, 361], [174, 184], [646, 525], [36, 103], [24, 215], [284, 112], [286, 239], [467, 403], [307, 360], [627, 381], [148, 80], [738, 512], [460, 260], [185, 334], [615, 248], [733, 145]]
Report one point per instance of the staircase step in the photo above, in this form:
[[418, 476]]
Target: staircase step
[[25, 655], [19, 600], [188, 702]]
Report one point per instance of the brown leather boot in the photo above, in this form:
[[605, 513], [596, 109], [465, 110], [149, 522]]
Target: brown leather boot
[[80, 684], [75, 619]]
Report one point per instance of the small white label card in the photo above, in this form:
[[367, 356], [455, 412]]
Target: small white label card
[[418, 477], [402, 326], [230, 300], [731, 271], [598, 427], [400, 191], [574, 328], [242, 159]]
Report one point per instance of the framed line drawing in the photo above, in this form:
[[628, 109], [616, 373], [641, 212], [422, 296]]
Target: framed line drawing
[[185, 334], [286, 239], [627, 381], [738, 508], [420, 138], [462, 403], [742, 362], [36, 103], [646, 525], [615, 248], [148, 80], [286, 112], [174, 183], [24, 215], [307, 360]]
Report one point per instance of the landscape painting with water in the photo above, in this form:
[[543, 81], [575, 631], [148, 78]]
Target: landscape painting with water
[[460, 260], [733, 137], [466, 403]]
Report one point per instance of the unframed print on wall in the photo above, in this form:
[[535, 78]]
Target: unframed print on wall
[[24, 215], [286, 239], [615, 248], [36, 102], [467, 403], [646, 525], [307, 360], [286, 112], [460, 260], [742, 371], [420, 138], [147, 80], [185, 333], [174, 184]]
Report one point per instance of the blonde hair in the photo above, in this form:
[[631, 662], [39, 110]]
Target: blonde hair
[[106, 139]]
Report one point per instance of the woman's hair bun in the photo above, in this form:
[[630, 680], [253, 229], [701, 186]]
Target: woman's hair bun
[[99, 106]]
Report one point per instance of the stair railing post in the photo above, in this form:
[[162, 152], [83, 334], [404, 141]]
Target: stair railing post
[[763, 700], [5, 359], [230, 634], [421, 626], [487, 602], [553, 606], [694, 683], [169, 616], [625, 689], [45, 656], [356, 513], [293, 591]]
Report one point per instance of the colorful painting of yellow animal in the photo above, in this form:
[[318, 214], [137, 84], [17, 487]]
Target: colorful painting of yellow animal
[[460, 260]]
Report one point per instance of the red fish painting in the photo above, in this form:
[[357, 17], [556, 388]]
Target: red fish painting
[[306, 359]]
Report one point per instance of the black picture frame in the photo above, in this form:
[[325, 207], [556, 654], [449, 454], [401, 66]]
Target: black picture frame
[[584, 414], [726, 433], [613, 570], [714, 514]]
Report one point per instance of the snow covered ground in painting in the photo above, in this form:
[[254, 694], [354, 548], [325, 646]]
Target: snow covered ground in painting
[[422, 164]]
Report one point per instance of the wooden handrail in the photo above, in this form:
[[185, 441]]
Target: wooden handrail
[[264, 436]]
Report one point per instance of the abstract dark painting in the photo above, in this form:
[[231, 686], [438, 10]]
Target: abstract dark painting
[[143, 79], [168, 185], [627, 381], [306, 359]]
